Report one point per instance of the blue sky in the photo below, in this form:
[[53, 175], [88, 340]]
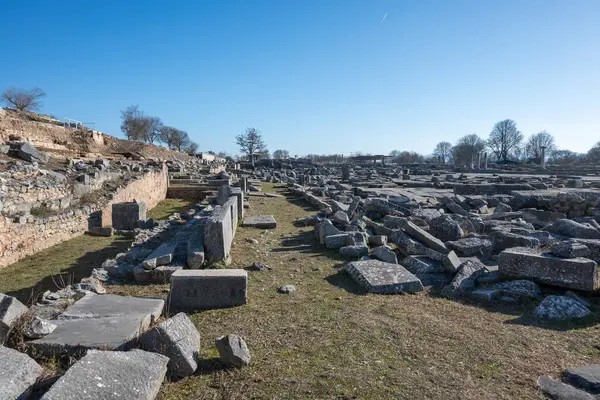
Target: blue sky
[[315, 76]]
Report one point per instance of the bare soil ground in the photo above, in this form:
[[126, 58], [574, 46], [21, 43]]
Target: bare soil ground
[[332, 341]]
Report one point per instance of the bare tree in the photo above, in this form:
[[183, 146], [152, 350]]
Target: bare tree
[[406, 157], [174, 138], [534, 145], [132, 123], [250, 143], [281, 154], [504, 138], [24, 100], [442, 150], [152, 128], [467, 148], [593, 155], [566, 157], [192, 148]]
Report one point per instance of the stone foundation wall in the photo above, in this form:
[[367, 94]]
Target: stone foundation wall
[[30, 235], [188, 193]]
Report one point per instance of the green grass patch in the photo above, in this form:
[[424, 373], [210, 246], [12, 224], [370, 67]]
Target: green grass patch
[[167, 207]]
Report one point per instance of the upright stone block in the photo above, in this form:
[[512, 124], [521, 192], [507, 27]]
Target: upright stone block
[[208, 288], [125, 216], [219, 232], [11, 310]]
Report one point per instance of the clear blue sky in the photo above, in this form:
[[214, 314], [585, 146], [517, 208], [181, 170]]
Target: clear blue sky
[[315, 76]]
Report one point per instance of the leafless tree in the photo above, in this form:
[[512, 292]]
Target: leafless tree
[[442, 150], [406, 157], [504, 138], [24, 100], [534, 145], [174, 138], [132, 123], [152, 128], [593, 154], [192, 148], [250, 143], [467, 149], [281, 154], [565, 157]]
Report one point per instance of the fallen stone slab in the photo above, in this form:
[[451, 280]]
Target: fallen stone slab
[[38, 327], [561, 391], [161, 256], [502, 240], [233, 350], [209, 288], [134, 374], [561, 308], [353, 251], [112, 305], [383, 278], [178, 339], [101, 231], [195, 250], [573, 229], [571, 273], [11, 310], [325, 228], [464, 280], [385, 254], [159, 275], [540, 218], [586, 377], [29, 152], [425, 237], [471, 246], [337, 241], [520, 288], [260, 221], [445, 228], [17, 374], [422, 265], [570, 249], [594, 246]]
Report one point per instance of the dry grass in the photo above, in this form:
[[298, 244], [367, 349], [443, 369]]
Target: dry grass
[[331, 341]]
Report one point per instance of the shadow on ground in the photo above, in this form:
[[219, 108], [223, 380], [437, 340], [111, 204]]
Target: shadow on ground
[[81, 268]]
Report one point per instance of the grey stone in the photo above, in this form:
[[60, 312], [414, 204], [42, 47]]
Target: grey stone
[[158, 275], [471, 246], [341, 218], [503, 207], [90, 284], [383, 278], [38, 327], [11, 310], [502, 240], [464, 280], [125, 216], [422, 265], [451, 262], [540, 218], [570, 249], [385, 254], [446, 229], [594, 246], [260, 221], [17, 374], [134, 374], [378, 240], [161, 256], [195, 250], [578, 298], [520, 288], [178, 339], [571, 273], [111, 305], [586, 377], [561, 308], [106, 231], [453, 206], [325, 228], [206, 289], [337, 241], [570, 228], [353, 251], [287, 289], [486, 295], [219, 232], [425, 237], [28, 152], [137, 254], [233, 350], [560, 391]]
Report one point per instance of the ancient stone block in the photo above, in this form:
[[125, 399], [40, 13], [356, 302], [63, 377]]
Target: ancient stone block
[[17, 374], [205, 289], [260, 221], [125, 216], [384, 278]]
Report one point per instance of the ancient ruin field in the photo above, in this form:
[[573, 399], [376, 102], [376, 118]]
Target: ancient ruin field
[[330, 340]]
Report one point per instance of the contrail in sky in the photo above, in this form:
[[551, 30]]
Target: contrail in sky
[[383, 19]]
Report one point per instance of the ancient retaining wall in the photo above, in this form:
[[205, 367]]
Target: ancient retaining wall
[[30, 235]]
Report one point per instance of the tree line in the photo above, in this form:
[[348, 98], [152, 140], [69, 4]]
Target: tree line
[[145, 128]]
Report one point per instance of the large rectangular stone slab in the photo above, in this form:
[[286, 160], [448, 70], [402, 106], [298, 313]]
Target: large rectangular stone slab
[[384, 278], [572, 273], [260, 221], [219, 232], [209, 288], [162, 255], [111, 305], [106, 375], [425, 237], [125, 216], [18, 372]]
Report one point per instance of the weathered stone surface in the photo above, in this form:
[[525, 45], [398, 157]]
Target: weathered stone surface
[[486, 295], [451, 262], [575, 273], [354, 251], [471, 246], [557, 390], [384, 278], [594, 246], [287, 289], [134, 374], [233, 350], [195, 250], [385, 254], [105, 231], [561, 308], [158, 275], [540, 218], [210, 288], [586, 377], [570, 249], [260, 221], [502, 240], [111, 305], [341, 218], [18, 372], [520, 288], [425, 237], [422, 265], [11, 310], [38, 327], [178, 339], [570, 228], [378, 240], [337, 241], [163, 255], [503, 207], [28, 152], [125, 216], [219, 232], [325, 228], [465, 279], [445, 228]]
